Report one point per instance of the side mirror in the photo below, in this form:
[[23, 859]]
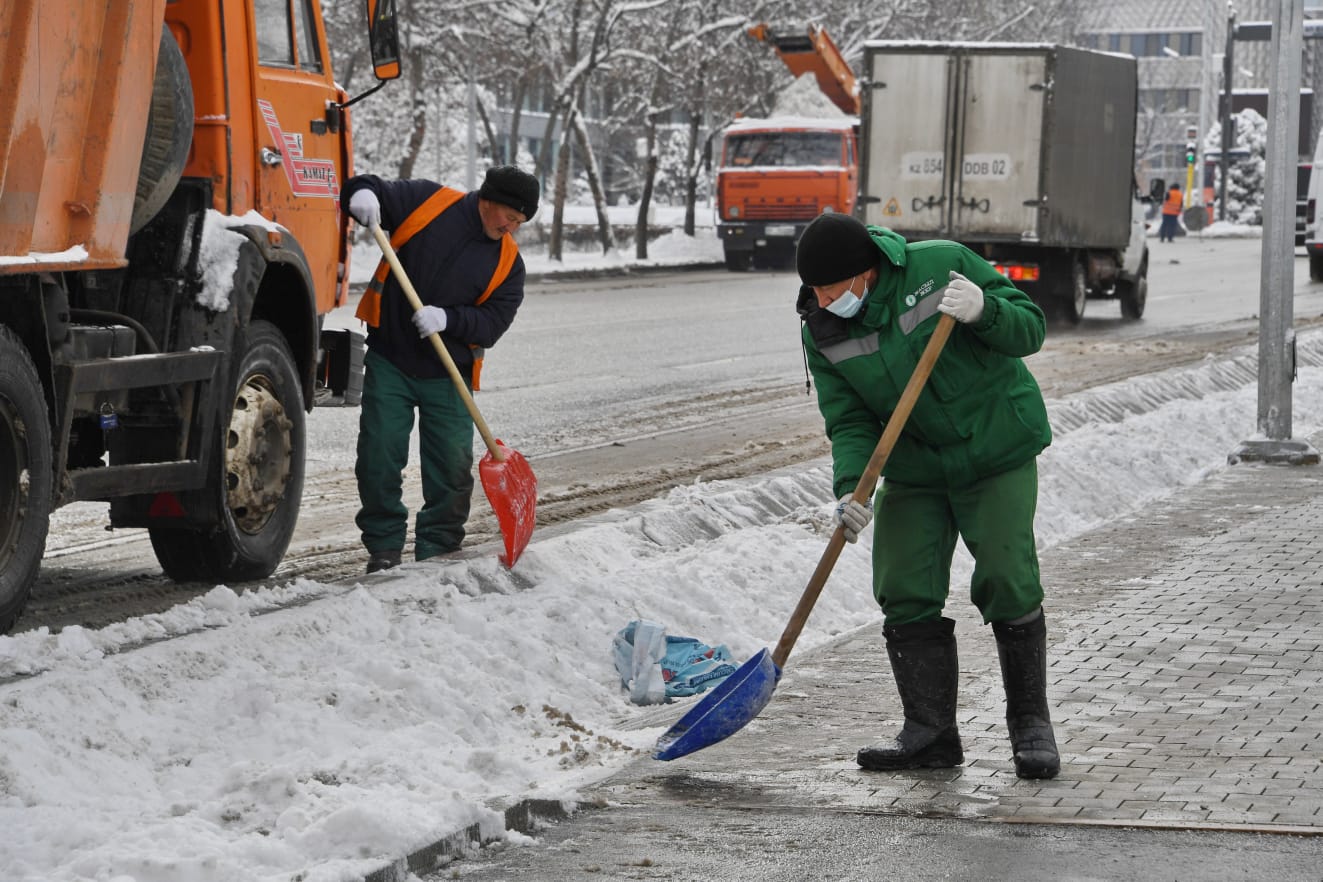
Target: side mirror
[[1157, 188], [383, 38]]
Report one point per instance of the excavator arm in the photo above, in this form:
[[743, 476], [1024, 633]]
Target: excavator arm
[[815, 53]]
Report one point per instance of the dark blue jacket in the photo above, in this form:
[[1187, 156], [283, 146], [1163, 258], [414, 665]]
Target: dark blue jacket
[[450, 263]]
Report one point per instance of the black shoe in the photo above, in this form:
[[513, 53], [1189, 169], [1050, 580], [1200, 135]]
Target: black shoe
[[383, 560]]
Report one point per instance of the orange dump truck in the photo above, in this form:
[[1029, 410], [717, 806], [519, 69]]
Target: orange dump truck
[[776, 175], [170, 238]]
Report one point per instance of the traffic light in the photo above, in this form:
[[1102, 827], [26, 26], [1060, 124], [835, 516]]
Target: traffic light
[[1189, 153]]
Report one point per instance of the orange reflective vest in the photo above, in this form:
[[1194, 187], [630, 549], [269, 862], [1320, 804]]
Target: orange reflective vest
[[369, 307], [1173, 203]]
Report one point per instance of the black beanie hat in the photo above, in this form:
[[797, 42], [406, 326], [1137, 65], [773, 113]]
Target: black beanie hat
[[513, 187], [834, 247]]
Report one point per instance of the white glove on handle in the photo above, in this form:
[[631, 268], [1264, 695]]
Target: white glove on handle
[[852, 516], [365, 207], [429, 320], [962, 299]]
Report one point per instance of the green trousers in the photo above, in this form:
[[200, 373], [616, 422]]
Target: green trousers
[[445, 436], [914, 536]]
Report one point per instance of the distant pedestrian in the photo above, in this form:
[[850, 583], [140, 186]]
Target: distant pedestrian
[[458, 251], [964, 467], [1171, 215]]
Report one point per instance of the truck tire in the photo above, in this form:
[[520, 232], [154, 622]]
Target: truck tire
[[1072, 304], [1316, 266], [261, 462], [25, 477], [169, 133], [1134, 292], [739, 261]]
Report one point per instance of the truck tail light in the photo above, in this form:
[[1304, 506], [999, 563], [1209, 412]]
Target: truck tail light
[[1018, 272]]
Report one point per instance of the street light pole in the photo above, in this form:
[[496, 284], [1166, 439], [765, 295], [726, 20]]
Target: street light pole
[[1228, 123], [1277, 280]]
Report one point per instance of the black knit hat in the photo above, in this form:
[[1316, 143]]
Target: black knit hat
[[513, 187], [834, 247]]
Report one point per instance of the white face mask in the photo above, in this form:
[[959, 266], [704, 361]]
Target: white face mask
[[848, 303]]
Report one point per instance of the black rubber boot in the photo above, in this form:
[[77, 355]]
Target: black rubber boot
[[1023, 652], [923, 659], [383, 560]]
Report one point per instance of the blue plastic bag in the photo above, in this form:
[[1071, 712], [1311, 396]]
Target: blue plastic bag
[[655, 666]]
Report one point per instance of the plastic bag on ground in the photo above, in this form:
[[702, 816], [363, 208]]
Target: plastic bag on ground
[[655, 667]]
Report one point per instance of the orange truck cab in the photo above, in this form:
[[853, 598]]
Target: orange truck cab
[[777, 175], [170, 239]]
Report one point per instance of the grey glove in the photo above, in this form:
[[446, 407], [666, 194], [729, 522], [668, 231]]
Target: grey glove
[[429, 320], [852, 516], [962, 299], [365, 207]]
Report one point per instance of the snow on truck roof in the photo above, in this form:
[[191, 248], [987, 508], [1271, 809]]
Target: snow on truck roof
[[794, 122]]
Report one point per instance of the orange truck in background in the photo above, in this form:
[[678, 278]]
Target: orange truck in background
[[170, 239], [776, 175]]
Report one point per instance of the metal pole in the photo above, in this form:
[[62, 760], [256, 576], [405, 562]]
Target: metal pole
[[1228, 132], [1277, 280]]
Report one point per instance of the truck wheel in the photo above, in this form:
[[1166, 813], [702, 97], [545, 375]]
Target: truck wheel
[[1072, 305], [1133, 297], [739, 261], [1134, 293], [1316, 266], [260, 483], [169, 133], [25, 477]]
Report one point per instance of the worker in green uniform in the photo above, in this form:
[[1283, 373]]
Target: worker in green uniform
[[964, 466]]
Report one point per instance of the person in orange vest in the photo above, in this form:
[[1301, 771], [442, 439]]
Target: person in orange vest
[[1171, 215], [458, 250]]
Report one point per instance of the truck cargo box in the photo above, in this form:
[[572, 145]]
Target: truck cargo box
[[996, 142]]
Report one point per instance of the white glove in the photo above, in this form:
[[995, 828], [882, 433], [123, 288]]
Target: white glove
[[429, 320], [365, 207], [962, 299], [852, 516]]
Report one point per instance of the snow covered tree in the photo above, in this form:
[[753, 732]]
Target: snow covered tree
[[1246, 166]]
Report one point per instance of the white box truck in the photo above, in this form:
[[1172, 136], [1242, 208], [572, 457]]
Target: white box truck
[[1023, 152]]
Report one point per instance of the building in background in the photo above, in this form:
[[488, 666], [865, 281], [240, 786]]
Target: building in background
[[1180, 46]]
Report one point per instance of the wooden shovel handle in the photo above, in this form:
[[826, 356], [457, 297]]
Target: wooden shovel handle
[[384, 242], [863, 491]]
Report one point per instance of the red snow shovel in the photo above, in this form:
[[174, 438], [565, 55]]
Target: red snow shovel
[[744, 694], [507, 478]]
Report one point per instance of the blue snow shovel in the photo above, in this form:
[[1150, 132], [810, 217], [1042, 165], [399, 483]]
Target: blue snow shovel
[[744, 694]]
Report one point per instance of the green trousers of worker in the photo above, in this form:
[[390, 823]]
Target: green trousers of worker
[[914, 537], [445, 441]]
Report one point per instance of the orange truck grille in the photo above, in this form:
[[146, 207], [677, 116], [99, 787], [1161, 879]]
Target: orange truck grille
[[801, 211]]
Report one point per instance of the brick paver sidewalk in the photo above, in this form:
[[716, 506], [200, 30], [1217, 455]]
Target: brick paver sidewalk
[[1186, 670]]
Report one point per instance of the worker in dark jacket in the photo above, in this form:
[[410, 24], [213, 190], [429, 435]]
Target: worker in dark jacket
[[964, 466], [468, 274]]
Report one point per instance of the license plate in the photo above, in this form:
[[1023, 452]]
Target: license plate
[[781, 230]]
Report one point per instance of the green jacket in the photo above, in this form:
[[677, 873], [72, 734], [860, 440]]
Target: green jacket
[[981, 411]]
